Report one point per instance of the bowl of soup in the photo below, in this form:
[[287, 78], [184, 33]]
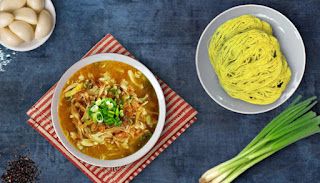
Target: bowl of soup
[[108, 110]]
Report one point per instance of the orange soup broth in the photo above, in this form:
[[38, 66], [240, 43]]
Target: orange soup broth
[[118, 71]]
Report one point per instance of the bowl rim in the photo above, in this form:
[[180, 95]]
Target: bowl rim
[[228, 11], [34, 44], [118, 58]]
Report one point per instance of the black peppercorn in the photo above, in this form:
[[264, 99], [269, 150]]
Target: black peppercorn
[[22, 170]]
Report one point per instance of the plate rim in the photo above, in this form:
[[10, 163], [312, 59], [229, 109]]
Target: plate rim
[[210, 24]]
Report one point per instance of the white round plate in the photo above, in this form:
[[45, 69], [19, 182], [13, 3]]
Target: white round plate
[[98, 58], [27, 46], [291, 45]]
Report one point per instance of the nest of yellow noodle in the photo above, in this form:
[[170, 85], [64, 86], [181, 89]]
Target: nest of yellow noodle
[[248, 61]]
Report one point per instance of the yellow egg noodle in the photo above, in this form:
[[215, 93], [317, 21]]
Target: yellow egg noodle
[[233, 27], [248, 61]]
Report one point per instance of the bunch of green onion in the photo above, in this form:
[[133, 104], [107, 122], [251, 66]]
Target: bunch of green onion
[[106, 111], [294, 123]]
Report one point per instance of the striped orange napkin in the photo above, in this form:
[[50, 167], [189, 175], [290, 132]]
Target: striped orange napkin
[[180, 115]]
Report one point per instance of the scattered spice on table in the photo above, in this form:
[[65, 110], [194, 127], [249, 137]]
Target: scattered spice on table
[[21, 170], [6, 57]]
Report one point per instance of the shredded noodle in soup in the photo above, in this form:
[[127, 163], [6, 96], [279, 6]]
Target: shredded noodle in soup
[[108, 110]]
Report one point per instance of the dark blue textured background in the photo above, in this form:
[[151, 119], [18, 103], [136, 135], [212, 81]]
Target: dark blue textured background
[[163, 35]]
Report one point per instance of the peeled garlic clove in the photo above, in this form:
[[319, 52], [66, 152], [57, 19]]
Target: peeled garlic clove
[[26, 14], [44, 25], [5, 19], [10, 5], [9, 38], [22, 29], [37, 5]]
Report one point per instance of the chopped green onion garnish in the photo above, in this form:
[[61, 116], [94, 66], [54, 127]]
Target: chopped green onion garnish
[[117, 111], [121, 113], [106, 110], [98, 102], [94, 108], [97, 117]]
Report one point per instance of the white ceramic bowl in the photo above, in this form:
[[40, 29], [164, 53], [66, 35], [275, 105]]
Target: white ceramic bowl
[[27, 46], [119, 58], [291, 45]]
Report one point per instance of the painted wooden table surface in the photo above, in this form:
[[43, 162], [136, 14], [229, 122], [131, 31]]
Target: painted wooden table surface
[[163, 35]]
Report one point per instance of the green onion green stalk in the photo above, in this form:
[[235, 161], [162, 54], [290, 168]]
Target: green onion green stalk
[[293, 124]]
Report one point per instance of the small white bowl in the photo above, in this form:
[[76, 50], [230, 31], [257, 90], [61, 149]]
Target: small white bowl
[[98, 58], [27, 46], [291, 45]]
